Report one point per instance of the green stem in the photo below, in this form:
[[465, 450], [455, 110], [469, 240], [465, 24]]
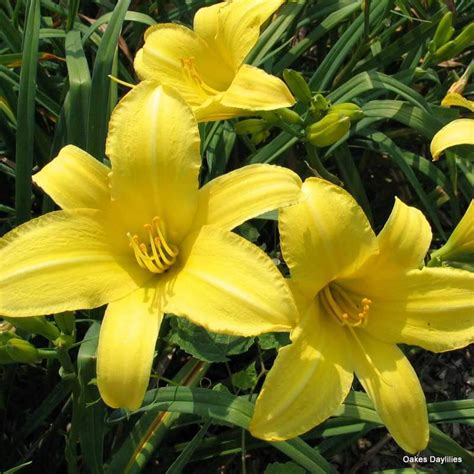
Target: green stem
[[69, 373], [318, 166]]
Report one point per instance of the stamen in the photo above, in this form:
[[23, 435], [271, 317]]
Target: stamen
[[158, 255], [341, 305]]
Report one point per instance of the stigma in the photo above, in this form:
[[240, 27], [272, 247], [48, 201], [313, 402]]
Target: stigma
[[345, 307], [155, 254]]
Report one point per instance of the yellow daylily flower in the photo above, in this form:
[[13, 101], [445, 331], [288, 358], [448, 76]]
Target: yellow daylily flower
[[461, 242], [358, 296], [145, 239], [457, 132], [207, 65]]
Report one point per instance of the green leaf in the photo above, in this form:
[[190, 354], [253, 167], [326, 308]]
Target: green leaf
[[245, 379], [205, 345], [26, 113], [98, 118], [229, 409], [273, 340], [284, 468]]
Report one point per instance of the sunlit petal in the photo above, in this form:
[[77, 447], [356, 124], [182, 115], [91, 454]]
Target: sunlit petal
[[432, 308], [404, 240], [233, 27], [75, 179], [308, 381], [254, 89], [230, 286], [62, 261], [457, 132], [126, 346], [392, 384], [326, 235], [153, 144], [235, 197]]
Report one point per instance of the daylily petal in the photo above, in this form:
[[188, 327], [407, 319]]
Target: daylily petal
[[235, 197], [212, 109], [62, 261], [309, 380], [457, 132], [453, 98], [326, 235], [404, 240], [153, 144], [233, 27], [432, 308], [126, 346], [392, 384], [461, 241], [163, 58], [228, 285], [75, 179], [254, 89]]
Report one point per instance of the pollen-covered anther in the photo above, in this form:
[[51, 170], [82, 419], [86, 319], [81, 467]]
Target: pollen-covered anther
[[157, 255], [341, 306]]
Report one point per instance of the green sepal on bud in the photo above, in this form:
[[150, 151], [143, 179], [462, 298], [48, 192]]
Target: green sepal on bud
[[21, 351], [36, 325], [249, 126], [290, 116], [258, 129], [66, 322], [353, 111], [328, 130], [443, 33], [319, 103], [64, 341], [298, 85], [455, 46]]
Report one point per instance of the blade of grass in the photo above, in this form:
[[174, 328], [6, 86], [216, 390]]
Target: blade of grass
[[98, 117], [26, 114]]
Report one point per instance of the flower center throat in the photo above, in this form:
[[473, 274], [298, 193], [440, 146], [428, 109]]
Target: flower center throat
[[344, 306], [157, 255]]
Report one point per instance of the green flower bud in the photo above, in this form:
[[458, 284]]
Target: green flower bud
[[36, 325], [328, 130], [259, 137], [353, 111], [64, 341], [298, 86], [21, 351], [444, 31], [455, 46], [250, 126], [319, 103], [66, 322], [289, 116]]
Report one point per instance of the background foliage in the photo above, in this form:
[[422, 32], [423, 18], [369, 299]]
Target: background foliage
[[55, 62]]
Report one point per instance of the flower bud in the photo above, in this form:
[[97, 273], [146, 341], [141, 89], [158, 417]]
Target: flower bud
[[250, 126], [444, 31], [298, 86], [319, 103], [328, 130], [21, 351], [36, 325], [353, 111], [289, 116], [460, 245]]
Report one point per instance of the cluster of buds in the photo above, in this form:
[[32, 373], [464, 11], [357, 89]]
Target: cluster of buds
[[14, 349], [442, 47], [322, 125], [332, 121]]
